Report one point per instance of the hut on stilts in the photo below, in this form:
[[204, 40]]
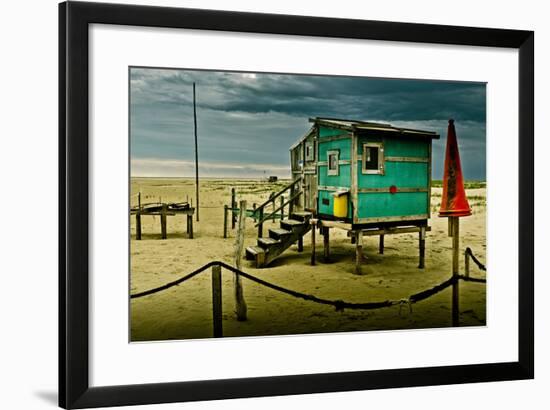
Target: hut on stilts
[[367, 178]]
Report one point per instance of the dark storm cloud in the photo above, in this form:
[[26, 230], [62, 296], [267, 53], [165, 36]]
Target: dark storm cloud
[[254, 118]]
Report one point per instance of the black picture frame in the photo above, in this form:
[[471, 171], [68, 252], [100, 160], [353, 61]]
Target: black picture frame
[[74, 387]]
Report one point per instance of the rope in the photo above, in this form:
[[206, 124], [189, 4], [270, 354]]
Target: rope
[[476, 260], [470, 279], [425, 294], [339, 305], [174, 283]]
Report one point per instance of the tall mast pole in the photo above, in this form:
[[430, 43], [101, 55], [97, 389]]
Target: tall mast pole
[[196, 151]]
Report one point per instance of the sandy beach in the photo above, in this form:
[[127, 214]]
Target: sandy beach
[[185, 311]]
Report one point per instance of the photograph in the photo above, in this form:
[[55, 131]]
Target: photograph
[[271, 204]]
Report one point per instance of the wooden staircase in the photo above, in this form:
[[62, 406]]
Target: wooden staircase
[[291, 230]]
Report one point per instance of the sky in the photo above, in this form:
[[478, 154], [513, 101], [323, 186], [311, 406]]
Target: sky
[[246, 122]]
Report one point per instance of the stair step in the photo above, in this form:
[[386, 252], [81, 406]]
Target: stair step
[[252, 251], [303, 216], [277, 233], [291, 223], [267, 242]]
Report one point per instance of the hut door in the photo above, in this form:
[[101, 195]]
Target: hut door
[[310, 188]]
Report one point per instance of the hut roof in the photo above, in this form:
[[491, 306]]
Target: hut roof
[[353, 125]]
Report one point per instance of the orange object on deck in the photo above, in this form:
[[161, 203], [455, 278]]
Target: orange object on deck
[[453, 200]]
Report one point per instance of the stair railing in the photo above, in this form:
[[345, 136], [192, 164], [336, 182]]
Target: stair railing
[[259, 212]]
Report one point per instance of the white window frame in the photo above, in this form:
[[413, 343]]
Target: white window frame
[[380, 169], [337, 170]]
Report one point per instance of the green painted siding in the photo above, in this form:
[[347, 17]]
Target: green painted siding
[[400, 174], [330, 132], [342, 180], [344, 146], [377, 205], [398, 147]]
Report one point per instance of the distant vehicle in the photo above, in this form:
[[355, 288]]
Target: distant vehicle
[[272, 178]]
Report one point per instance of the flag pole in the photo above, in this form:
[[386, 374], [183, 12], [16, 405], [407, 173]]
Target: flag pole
[[196, 151]]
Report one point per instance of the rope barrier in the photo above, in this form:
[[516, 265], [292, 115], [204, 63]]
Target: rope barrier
[[339, 305], [470, 279], [174, 283], [476, 260]]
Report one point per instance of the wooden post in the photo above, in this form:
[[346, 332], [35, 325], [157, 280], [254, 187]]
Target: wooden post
[[466, 264], [313, 223], [326, 243], [138, 219], [217, 300], [240, 304], [163, 221], [261, 224], [233, 206], [300, 244], [138, 225], [225, 221], [358, 252], [421, 246], [291, 203], [273, 203], [455, 301], [282, 207], [254, 209], [190, 225], [196, 150], [381, 245]]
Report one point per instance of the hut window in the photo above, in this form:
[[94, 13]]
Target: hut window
[[373, 158], [333, 166], [310, 152]]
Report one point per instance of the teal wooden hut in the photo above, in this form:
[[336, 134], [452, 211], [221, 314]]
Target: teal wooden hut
[[365, 177], [380, 172]]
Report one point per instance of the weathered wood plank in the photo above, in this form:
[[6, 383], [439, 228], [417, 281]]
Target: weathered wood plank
[[455, 299], [217, 300], [240, 304], [163, 221], [421, 247]]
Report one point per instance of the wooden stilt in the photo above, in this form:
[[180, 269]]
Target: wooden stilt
[[455, 299], [138, 219], [466, 264], [233, 206], [358, 252], [261, 225], [421, 246], [273, 203], [190, 224], [217, 300], [163, 221], [381, 245], [313, 223], [282, 207], [301, 244], [240, 304], [138, 225], [326, 244], [225, 221], [291, 204]]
